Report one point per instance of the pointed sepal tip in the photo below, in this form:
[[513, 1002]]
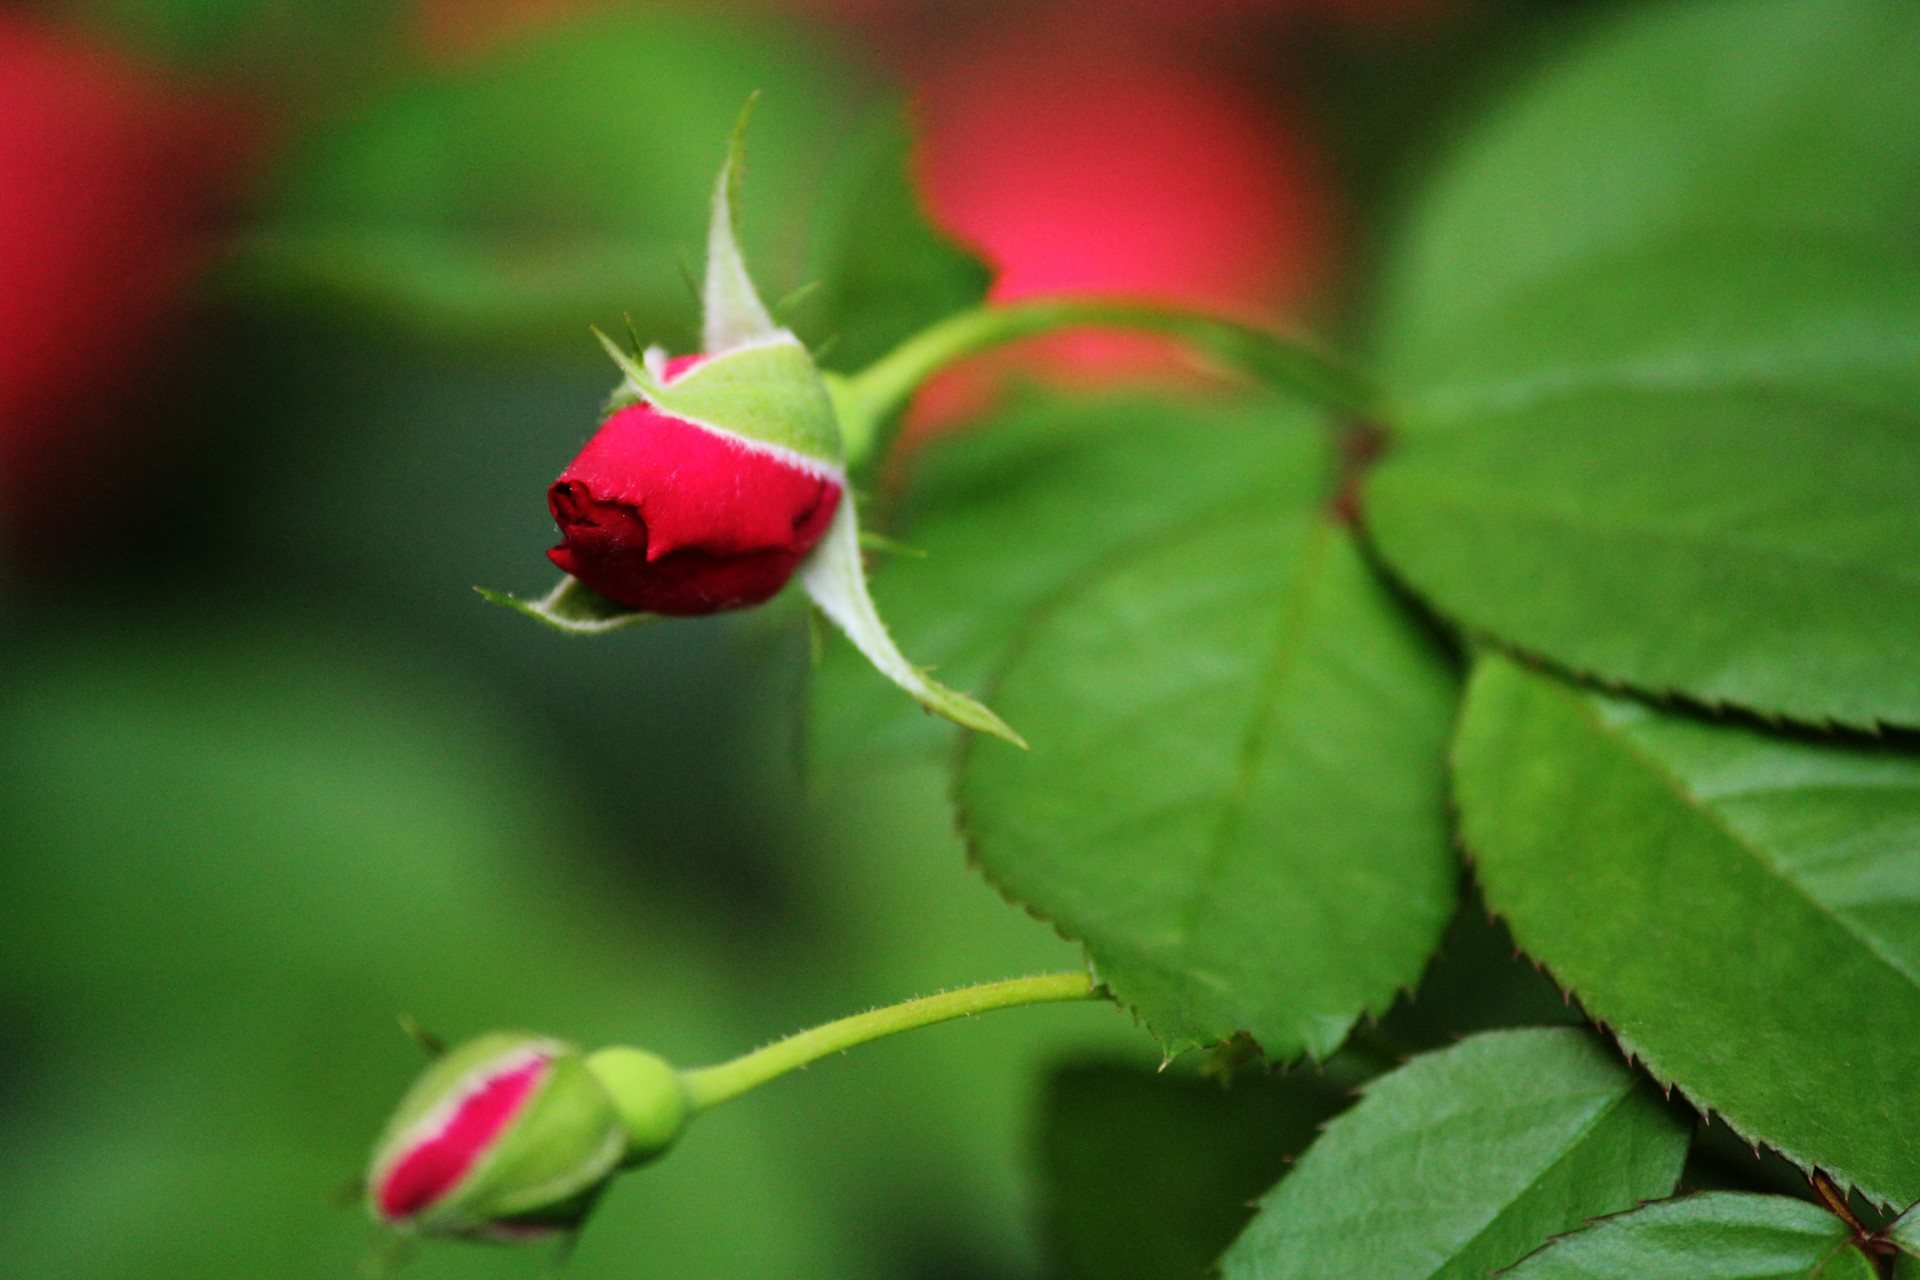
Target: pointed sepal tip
[[572, 607], [837, 582], [732, 314]]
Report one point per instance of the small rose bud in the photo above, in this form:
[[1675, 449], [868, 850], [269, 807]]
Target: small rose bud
[[717, 477], [672, 515], [507, 1137]]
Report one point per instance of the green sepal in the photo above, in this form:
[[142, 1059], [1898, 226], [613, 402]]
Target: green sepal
[[836, 580], [732, 313], [640, 384], [769, 393], [758, 381], [572, 607]]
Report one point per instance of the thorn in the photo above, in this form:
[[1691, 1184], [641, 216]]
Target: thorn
[[390, 1252], [636, 371], [562, 1255], [430, 1044], [1836, 1202], [870, 541], [687, 275], [800, 293]]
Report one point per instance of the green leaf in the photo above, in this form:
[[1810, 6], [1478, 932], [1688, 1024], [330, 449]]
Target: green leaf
[[1464, 1161], [1014, 513], [1478, 980], [1738, 907], [1149, 1175], [1713, 114], [1904, 1231], [1735, 545], [1835, 316], [1234, 794], [560, 182], [885, 271], [1720, 1235]]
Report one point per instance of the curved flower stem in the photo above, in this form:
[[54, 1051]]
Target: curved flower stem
[[709, 1086], [868, 400]]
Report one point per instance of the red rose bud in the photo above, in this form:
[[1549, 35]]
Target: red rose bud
[[511, 1137], [673, 516], [717, 477]]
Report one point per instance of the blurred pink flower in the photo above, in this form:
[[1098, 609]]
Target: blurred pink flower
[[111, 181]]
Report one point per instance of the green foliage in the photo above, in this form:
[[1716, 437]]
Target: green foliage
[[884, 270], [1233, 795], [1637, 304], [1651, 348], [1737, 906], [1652, 342], [1679, 540], [1716, 1236], [1017, 514], [1464, 1161], [1669, 118], [1828, 316], [1478, 981], [1148, 1175], [285, 36], [1098, 536], [557, 183], [233, 856], [1904, 1231]]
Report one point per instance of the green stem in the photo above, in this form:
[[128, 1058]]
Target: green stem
[[709, 1086], [870, 399]]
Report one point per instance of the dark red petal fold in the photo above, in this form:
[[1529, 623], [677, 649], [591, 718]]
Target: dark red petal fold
[[437, 1162], [669, 517]]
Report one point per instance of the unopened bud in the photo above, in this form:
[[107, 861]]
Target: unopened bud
[[508, 1136]]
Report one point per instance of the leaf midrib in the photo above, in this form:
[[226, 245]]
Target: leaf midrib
[[1675, 785], [1560, 1157], [1295, 608]]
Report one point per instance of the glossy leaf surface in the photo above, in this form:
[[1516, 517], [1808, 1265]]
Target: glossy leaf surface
[[1725, 113], [1464, 1161], [1737, 545], [1737, 907], [1831, 316], [1195, 645], [1234, 795], [1016, 513], [1716, 1236], [1665, 302]]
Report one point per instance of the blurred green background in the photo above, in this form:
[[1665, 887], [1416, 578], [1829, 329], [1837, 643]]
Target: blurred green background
[[298, 307]]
